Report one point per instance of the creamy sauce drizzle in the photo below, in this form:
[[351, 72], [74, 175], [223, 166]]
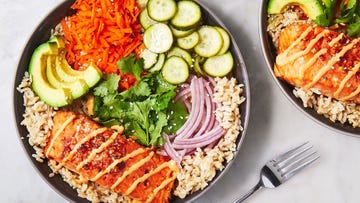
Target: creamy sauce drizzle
[[353, 94], [113, 164], [78, 145], [317, 55], [336, 39], [330, 63], [297, 41], [346, 79], [283, 58], [57, 133], [120, 129], [146, 176], [160, 187], [132, 169], [311, 62]]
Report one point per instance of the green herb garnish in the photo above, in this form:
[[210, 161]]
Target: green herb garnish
[[131, 65], [348, 14], [145, 110]]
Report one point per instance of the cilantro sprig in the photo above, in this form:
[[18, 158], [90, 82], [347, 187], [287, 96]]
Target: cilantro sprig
[[347, 14], [131, 65], [145, 110]]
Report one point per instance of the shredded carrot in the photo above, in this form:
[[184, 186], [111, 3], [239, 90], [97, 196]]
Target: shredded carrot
[[102, 32], [126, 82]]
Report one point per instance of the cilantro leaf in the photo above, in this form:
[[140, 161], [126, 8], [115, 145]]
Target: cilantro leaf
[[155, 134], [354, 28], [111, 122], [143, 109], [326, 18], [322, 20], [109, 99], [140, 134], [131, 65], [139, 112], [346, 16], [163, 100], [347, 13], [118, 108], [108, 86], [140, 90]]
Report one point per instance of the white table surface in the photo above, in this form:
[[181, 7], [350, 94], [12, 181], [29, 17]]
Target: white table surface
[[275, 125]]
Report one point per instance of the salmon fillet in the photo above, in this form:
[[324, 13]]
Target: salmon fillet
[[106, 157], [313, 57]]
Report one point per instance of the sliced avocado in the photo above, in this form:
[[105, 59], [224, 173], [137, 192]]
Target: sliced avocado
[[51, 74], [55, 97], [78, 87], [91, 75], [59, 41], [61, 65], [312, 8], [53, 80]]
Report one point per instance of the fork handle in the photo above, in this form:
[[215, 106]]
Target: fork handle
[[248, 194]]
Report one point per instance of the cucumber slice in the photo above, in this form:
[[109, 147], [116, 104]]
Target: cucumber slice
[[226, 40], [145, 19], [190, 41], [158, 38], [210, 43], [188, 15], [175, 70], [197, 65], [150, 58], [159, 64], [181, 33], [161, 10], [219, 65], [176, 51]]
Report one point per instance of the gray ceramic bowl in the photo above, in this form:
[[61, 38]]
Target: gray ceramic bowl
[[42, 34], [269, 52]]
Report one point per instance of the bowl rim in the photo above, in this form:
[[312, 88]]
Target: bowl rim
[[61, 187], [267, 51]]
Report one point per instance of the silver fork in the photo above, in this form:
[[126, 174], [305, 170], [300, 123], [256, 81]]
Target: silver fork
[[283, 167]]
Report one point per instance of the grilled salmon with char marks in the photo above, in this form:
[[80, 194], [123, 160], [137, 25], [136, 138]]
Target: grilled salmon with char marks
[[106, 157], [313, 57]]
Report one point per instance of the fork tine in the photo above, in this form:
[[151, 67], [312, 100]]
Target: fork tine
[[291, 153], [295, 158], [311, 158]]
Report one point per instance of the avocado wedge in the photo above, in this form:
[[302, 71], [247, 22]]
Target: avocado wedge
[[59, 41], [312, 8], [53, 79], [55, 97], [91, 74], [78, 87]]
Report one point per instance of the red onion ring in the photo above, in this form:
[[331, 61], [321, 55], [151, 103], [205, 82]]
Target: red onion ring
[[201, 128]]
